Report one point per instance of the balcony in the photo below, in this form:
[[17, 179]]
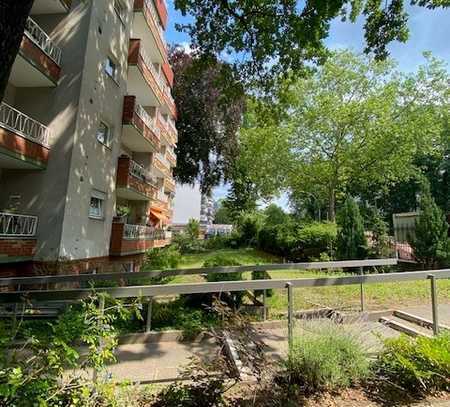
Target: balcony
[[38, 63], [169, 185], [134, 239], [143, 75], [51, 6], [171, 158], [161, 166], [134, 182], [140, 132], [24, 142], [168, 106], [17, 237], [147, 26]]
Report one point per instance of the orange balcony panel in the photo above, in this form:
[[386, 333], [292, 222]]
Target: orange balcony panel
[[140, 131], [141, 72], [168, 73], [169, 185], [161, 9], [151, 15], [19, 148], [131, 183], [12, 250]]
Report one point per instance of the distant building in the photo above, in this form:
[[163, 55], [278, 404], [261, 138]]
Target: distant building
[[207, 210]]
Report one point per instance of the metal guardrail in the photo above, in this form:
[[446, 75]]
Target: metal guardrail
[[139, 172], [151, 8], [148, 121], [18, 122], [148, 62], [42, 40], [127, 276], [16, 225]]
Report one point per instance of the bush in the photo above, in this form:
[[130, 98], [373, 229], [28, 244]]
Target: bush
[[248, 226], [419, 365], [162, 258], [316, 238], [185, 243], [328, 358]]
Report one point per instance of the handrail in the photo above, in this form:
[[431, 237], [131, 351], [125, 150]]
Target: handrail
[[151, 7], [42, 40], [20, 123], [221, 286], [16, 225], [148, 62], [139, 172], [331, 265], [148, 120]]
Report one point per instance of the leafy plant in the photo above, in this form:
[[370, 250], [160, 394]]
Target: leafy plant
[[431, 243], [162, 258], [327, 358], [419, 365], [351, 241]]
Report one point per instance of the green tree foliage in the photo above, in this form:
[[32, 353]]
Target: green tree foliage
[[351, 242], [431, 243], [222, 215], [193, 228], [289, 32], [379, 234], [354, 121], [210, 103], [274, 215]]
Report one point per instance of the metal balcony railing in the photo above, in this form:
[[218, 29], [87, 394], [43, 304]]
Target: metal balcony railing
[[42, 40], [138, 171], [149, 121], [148, 62], [142, 232], [15, 225], [151, 8], [18, 122]]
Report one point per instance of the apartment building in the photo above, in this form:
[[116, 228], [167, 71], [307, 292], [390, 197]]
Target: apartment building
[[87, 136]]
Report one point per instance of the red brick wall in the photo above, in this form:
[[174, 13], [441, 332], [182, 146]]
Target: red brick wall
[[146, 131], [133, 51], [123, 171], [120, 246], [44, 63], [23, 146], [125, 180], [17, 247]]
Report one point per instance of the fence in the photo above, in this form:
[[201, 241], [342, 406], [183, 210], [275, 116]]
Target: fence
[[14, 225], [152, 291]]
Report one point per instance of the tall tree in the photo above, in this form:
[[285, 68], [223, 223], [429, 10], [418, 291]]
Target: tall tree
[[210, 105], [289, 32], [353, 121], [13, 16], [431, 243], [351, 241]]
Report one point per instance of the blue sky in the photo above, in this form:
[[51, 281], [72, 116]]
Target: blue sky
[[429, 31]]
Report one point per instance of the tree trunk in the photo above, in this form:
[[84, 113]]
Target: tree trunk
[[332, 204], [13, 16]]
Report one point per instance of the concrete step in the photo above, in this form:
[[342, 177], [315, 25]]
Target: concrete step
[[415, 319], [405, 327]]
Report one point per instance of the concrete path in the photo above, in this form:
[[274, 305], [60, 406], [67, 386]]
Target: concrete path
[[424, 311], [158, 362]]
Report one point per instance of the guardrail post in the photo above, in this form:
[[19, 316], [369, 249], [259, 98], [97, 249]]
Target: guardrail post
[[290, 313], [361, 273], [264, 305], [148, 322], [434, 304]]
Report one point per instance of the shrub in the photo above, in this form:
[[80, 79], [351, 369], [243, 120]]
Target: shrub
[[248, 226], [329, 358], [431, 244], [162, 258], [193, 228], [316, 238], [185, 243], [419, 365], [351, 241]]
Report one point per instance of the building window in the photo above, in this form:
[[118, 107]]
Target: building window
[[120, 10], [111, 69], [104, 134], [96, 207]]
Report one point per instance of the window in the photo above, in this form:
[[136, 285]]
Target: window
[[120, 10], [104, 134], [111, 68], [96, 206]]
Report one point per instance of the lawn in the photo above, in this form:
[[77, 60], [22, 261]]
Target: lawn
[[377, 296]]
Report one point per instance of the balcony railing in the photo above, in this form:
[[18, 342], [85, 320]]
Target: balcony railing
[[151, 8], [142, 232], [148, 62], [16, 226], [17, 122], [139, 172], [42, 40], [148, 120]]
